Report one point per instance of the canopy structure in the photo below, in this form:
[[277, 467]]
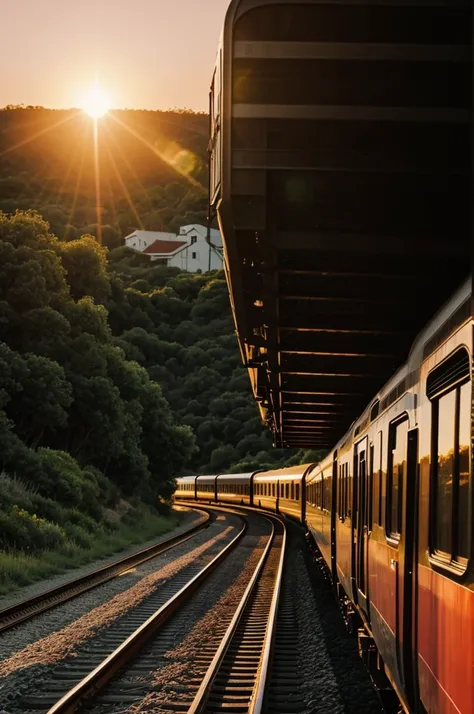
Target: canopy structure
[[341, 179]]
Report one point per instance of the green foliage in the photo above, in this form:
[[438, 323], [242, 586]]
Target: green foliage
[[116, 374], [38, 537], [183, 335], [77, 417]]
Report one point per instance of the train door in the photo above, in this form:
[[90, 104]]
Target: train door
[[407, 568], [400, 520], [361, 521], [334, 502]]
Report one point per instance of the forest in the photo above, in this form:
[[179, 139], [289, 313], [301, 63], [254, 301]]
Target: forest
[[116, 373], [151, 168]]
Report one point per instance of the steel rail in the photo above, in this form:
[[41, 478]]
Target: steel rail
[[256, 705], [200, 701], [104, 672], [29, 608]]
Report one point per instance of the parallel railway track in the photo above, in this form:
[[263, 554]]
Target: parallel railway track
[[234, 671], [21, 612]]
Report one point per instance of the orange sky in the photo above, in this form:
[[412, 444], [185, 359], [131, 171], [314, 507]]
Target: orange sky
[[146, 54]]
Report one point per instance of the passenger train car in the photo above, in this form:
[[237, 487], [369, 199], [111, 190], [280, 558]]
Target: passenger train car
[[391, 510]]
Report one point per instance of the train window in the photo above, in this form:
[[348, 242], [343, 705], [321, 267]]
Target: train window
[[292, 496], [379, 480], [370, 486], [396, 476], [273, 490], [451, 472], [327, 490], [349, 480], [287, 490], [340, 492], [297, 492]]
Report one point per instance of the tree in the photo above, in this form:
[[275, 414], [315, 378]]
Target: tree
[[85, 262]]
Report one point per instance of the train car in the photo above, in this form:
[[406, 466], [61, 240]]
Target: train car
[[399, 538], [282, 490], [320, 512], [206, 488], [236, 488], [185, 488], [390, 508]]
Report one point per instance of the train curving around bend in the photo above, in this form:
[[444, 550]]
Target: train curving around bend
[[391, 510]]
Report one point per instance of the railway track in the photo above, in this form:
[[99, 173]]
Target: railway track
[[234, 671], [21, 612], [237, 676]]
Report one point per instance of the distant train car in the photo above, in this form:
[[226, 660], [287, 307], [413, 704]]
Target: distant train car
[[206, 488], [320, 512], [185, 488], [235, 488], [282, 490]]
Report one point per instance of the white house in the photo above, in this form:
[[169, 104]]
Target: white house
[[189, 250], [142, 239]]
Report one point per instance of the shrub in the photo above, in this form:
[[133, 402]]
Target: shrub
[[49, 509], [79, 535], [24, 531], [82, 520]]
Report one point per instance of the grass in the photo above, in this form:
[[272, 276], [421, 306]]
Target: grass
[[18, 568]]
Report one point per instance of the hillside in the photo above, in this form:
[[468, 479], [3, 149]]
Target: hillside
[[152, 169], [116, 374]]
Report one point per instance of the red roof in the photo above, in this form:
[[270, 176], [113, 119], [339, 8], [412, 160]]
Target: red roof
[[164, 246]]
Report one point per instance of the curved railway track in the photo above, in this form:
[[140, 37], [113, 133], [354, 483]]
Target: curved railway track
[[27, 609], [237, 676], [234, 673]]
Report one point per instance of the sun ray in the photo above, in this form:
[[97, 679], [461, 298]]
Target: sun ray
[[126, 193], [38, 134], [130, 168], [78, 182], [97, 183], [72, 164]]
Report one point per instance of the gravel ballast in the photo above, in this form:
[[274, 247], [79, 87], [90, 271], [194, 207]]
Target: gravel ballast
[[333, 676], [49, 661], [42, 639], [180, 655]]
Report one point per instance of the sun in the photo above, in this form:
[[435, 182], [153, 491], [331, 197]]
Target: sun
[[95, 102]]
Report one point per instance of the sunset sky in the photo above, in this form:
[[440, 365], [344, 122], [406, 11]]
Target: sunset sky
[[146, 54]]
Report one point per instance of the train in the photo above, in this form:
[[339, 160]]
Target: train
[[391, 510]]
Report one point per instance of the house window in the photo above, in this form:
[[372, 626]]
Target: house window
[[193, 239], [194, 255]]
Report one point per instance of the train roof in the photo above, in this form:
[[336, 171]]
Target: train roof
[[186, 479], [235, 478], [450, 317], [292, 473], [206, 479]]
